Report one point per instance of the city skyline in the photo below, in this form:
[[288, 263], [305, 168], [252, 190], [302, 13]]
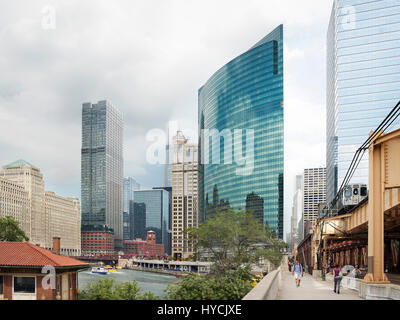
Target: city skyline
[[222, 150], [305, 33]]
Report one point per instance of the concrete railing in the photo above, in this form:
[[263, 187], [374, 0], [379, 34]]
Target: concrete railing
[[369, 291], [267, 288]]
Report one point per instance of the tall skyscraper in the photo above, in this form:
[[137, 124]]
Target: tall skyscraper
[[102, 170], [168, 244], [246, 94], [130, 185], [363, 83], [297, 211], [314, 194], [168, 167], [151, 213], [185, 171]]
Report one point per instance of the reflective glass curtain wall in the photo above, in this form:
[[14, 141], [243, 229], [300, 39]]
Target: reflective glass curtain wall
[[363, 80], [247, 93], [102, 169], [151, 213], [130, 185]]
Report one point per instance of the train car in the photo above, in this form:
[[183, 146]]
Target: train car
[[351, 196]]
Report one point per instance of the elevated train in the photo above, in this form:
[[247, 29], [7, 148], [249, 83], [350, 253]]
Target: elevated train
[[351, 196]]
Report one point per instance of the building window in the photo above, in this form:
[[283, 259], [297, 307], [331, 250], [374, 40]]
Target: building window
[[1, 285], [24, 284]]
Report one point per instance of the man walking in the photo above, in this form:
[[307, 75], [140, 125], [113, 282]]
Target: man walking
[[297, 272]]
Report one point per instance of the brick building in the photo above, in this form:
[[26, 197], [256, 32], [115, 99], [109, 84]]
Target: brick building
[[141, 248], [29, 272], [97, 242]]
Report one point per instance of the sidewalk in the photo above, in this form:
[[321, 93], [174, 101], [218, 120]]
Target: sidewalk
[[311, 289]]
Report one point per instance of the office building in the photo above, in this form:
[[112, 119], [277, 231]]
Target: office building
[[130, 185], [102, 170], [184, 194], [168, 244], [151, 213], [243, 104], [297, 211], [42, 214], [314, 194], [15, 203], [363, 83]]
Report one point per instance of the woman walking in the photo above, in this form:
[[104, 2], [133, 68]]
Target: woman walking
[[337, 274]]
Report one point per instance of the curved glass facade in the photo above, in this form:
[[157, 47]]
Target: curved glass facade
[[243, 103], [363, 84]]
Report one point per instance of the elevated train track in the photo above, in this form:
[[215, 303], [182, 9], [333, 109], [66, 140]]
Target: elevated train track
[[367, 234]]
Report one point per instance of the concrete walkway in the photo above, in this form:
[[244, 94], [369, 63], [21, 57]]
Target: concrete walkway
[[311, 289]]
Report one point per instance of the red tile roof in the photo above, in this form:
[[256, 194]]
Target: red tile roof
[[25, 254]]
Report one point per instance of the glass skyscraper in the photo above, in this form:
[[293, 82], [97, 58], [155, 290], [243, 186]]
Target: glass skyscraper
[[151, 213], [102, 169], [130, 185], [363, 80], [246, 94]]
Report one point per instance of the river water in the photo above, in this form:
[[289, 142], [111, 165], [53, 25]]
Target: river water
[[148, 281]]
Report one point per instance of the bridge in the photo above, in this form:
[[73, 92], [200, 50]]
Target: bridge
[[111, 259], [280, 285], [369, 234]]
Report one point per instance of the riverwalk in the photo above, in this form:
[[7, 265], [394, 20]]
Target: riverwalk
[[311, 289]]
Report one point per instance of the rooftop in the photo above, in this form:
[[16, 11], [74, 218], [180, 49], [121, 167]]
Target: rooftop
[[25, 254], [19, 163]]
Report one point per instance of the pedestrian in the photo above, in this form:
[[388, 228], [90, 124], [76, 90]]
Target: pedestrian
[[289, 266], [337, 274], [297, 272], [356, 272]]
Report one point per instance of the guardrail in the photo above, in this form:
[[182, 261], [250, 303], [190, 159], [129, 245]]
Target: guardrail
[[267, 288], [369, 291]]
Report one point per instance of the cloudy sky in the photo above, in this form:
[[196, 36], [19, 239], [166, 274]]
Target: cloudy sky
[[148, 58]]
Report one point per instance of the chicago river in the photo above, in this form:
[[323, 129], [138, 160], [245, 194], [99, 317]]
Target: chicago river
[[147, 281]]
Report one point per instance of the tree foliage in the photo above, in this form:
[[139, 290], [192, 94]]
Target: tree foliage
[[235, 239], [11, 231], [234, 285], [106, 289]]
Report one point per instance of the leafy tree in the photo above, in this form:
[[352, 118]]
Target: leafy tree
[[104, 289], [236, 239], [127, 291], [11, 231], [234, 285]]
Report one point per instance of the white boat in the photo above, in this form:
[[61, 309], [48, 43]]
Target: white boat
[[99, 270]]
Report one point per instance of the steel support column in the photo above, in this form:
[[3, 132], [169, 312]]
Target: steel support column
[[376, 272]]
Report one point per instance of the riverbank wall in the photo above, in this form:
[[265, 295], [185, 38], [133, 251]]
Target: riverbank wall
[[169, 272]]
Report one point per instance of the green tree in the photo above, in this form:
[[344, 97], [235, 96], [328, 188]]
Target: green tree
[[234, 285], [11, 231], [236, 239], [105, 289]]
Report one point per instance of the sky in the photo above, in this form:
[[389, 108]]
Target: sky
[[148, 58]]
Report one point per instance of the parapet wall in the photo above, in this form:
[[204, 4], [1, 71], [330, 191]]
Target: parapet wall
[[369, 291], [267, 288]]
